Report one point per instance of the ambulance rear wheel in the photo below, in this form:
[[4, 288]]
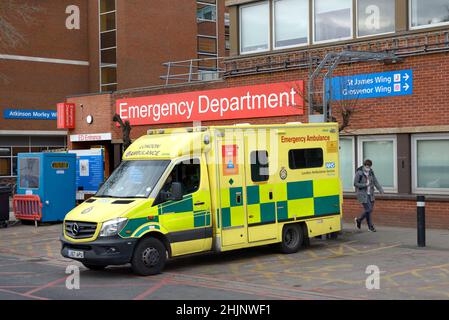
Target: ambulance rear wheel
[[149, 257], [292, 238]]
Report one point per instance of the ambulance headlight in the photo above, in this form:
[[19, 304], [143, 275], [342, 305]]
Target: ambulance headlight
[[113, 227]]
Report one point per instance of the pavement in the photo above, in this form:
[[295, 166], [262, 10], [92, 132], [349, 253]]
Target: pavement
[[31, 267]]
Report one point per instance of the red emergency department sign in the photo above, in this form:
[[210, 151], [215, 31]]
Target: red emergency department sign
[[66, 115], [268, 100]]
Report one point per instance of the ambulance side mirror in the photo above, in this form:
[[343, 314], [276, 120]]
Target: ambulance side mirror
[[176, 194]]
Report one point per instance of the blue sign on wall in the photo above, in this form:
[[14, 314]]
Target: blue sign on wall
[[372, 85], [29, 114], [89, 170]]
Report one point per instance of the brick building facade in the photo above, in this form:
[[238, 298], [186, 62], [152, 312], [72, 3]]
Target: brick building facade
[[90, 47], [406, 136]]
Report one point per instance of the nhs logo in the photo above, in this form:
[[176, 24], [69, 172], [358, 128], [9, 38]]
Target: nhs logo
[[330, 165]]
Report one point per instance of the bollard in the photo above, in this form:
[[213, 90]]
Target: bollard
[[421, 213]]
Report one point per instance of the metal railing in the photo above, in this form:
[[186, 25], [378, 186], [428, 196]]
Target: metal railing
[[194, 70]]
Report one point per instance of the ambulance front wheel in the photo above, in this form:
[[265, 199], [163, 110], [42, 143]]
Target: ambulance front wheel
[[292, 238], [149, 257]]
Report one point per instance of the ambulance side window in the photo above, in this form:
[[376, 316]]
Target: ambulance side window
[[188, 173], [305, 158], [259, 166]]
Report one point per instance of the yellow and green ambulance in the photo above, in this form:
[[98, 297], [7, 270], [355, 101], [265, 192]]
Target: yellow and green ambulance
[[185, 191]]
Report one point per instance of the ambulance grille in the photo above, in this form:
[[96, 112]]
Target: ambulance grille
[[80, 230]]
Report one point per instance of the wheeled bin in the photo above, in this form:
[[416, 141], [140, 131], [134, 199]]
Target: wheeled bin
[[46, 186]]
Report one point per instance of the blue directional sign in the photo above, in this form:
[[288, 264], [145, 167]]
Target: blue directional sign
[[29, 114], [372, 85]]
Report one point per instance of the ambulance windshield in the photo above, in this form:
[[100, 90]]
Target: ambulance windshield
[[133, 179]]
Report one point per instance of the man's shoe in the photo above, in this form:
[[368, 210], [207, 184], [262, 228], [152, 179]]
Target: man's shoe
[[372, 229], [358, 224]]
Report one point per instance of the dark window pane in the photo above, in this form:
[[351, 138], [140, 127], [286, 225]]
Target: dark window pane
[[108, 75], [259, 166], [5, 167], [107, 5], [109, 56], [38, 149], [14, 166], [5, 152], [108, 40], [305, 158], [112, 87], [107, 21], [17, 150]]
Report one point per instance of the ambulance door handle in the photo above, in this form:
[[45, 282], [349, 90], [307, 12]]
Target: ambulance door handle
[[270, 195], [199, 203], [238, 197]]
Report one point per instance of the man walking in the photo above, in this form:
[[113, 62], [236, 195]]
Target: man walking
[[364, 182]]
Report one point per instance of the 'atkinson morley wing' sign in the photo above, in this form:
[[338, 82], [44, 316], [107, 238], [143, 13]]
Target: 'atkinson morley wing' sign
[[267, 100]]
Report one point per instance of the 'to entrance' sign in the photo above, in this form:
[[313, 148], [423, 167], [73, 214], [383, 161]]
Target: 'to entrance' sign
[[268, 100]]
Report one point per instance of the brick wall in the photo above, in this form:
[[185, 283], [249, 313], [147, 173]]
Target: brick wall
[[401, 213], [100, 107]]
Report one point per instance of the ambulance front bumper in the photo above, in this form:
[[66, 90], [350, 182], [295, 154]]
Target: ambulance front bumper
[[107, 251]]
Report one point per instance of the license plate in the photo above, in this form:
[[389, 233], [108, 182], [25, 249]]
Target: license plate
[[76, 254]]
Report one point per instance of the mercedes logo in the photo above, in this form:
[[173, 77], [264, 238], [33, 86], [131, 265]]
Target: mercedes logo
[[75, 229]]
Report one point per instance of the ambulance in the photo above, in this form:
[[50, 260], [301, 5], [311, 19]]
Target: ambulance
[[181, 192]]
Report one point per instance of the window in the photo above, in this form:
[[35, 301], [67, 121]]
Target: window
[[333, 20], [291, 22], [254, 27], [133, 179], [375, 17], [347, 163], [108, 45], [428, 13], [207, 45], [259, 166], [206, 12], [29, 173], [5, 162], [188, 173], [305, 158], [430, 163], [11, 146], [107, 6], [382, 151]]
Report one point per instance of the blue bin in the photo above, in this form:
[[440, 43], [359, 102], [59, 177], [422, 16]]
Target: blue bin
[[52, 177]]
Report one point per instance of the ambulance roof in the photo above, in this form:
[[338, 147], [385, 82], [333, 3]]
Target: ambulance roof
[[175, 142]]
